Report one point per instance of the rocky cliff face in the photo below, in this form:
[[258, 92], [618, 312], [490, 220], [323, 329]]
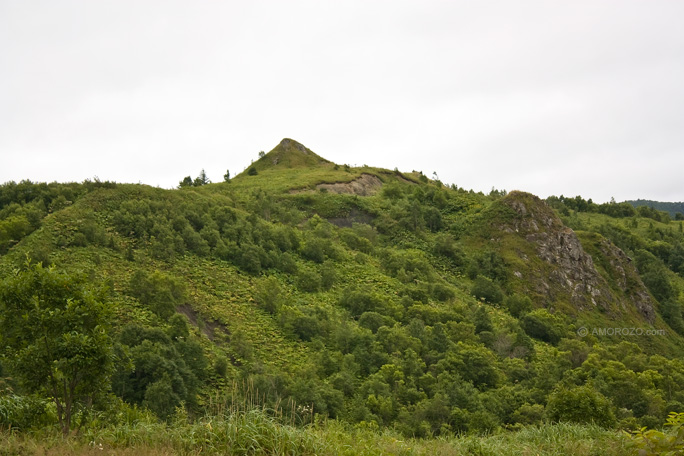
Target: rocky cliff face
[[566, 270]]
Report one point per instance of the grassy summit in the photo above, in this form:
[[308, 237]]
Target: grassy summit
[[289, 154]]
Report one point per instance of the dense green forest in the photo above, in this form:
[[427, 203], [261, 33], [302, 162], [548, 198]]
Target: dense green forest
[[331, 309], [676, 210]]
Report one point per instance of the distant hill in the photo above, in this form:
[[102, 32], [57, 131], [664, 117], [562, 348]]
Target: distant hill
[[672, 208]]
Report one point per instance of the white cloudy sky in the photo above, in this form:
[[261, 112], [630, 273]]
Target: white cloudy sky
[[571, 97]]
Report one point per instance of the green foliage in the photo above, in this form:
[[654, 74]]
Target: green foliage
[[654, 442], [12, 230], [580, 404], [269, 295], [446, 245], [158, 291], [485, 289], [54, 338], [360, 300], [23, 412], [543, 325], [252, 171], [671, 311], [315, 249], [308, 280], [518, 305], [200, 180], [328, 275], [489, 264], [186, 182], [361, 305], [161, 372]]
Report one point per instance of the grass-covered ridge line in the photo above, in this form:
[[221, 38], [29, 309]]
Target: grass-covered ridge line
[[418, 310]]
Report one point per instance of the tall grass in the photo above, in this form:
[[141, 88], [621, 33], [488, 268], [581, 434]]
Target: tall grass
[[254, 432], [237, 422]]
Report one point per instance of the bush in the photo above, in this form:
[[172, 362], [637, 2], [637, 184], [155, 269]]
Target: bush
[[485, 289], [268, 295], [161, 293], [672, 314], [314, 249], [328, 275], [249, 258], [518, 305], [373, 321], [542, 325], [358, 301], [581, 405], [287, 263], [442, 292], [308, 281], [161, 399], [23, 412], [445, 245], [489, 264], [652, 442]]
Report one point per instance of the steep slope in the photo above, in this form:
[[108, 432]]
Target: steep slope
[[552, 265]]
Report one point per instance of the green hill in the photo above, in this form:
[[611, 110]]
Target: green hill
[[675, 210], [382, 300], [289, 154]]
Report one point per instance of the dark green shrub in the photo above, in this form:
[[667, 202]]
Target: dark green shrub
[[287, 263], [445, 245], [542, 325], [161, 399], [433, 219], [489, 264], [482, 320], [308, 281], [268, 295], [161, 293], [221, 366], [374, 320], [486, 290], [358, 301], [671, 311], [442, 292], [328, 275], [518, 305], [315, 248], [249, 258]]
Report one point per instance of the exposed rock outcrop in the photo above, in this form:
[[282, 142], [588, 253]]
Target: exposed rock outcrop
[[569, 270]]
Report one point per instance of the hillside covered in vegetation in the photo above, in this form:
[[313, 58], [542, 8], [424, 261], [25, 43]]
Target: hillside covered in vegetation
[[378, 300]]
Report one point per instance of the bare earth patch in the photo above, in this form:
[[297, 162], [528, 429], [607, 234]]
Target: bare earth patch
[[366, 185]]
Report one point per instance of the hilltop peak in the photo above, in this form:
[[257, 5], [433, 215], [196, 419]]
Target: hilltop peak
[[290, 154], [288, 143]]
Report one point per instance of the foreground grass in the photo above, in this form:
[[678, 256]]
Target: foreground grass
[[254, 433]]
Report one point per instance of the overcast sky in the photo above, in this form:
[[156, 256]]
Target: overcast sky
[[551, 97]]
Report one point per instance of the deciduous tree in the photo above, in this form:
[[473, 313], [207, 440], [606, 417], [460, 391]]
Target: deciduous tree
[[54, 339]]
